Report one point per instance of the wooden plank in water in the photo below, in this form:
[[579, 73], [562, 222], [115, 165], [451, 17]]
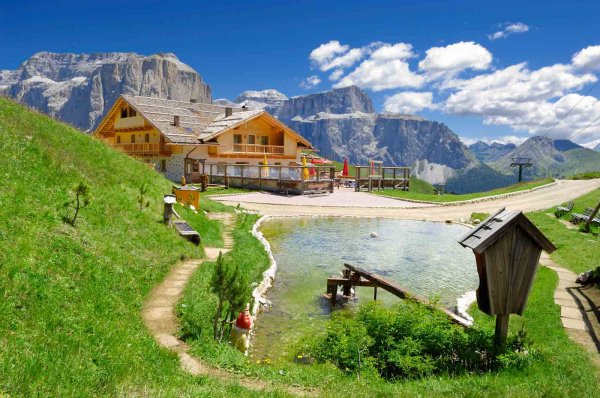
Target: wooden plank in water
[[401, 292]]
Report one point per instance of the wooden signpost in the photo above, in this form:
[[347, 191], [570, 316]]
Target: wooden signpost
[[507, 248]]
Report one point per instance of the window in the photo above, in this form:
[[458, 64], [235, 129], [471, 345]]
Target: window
[[133, 138], [128, 112], [252, 139], [237, 138], [147, 137], [264, 140], [118, 139], [163, 165]]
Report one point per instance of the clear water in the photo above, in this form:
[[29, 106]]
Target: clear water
[[421, 256]]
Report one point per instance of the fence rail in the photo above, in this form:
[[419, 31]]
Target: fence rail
[[253, 148]]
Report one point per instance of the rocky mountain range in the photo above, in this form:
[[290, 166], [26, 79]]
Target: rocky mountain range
[[490, 152], [81, 88], [556, 158], [341, 123]]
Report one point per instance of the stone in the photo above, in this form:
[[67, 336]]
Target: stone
[[574, 324]]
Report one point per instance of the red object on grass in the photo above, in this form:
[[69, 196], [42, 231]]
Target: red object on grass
[[244, 320], [345, 169]]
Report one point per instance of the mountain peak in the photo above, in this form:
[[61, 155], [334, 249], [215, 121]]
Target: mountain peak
[[51, 82]]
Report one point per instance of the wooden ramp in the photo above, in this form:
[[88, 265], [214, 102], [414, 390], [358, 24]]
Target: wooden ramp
[[355, 276]]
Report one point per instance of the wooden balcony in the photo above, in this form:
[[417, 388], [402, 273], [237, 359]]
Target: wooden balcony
[[143, 149], [261, 149]]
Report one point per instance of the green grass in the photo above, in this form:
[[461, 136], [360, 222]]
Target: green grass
[[446, 198], [71, 297], [70, 321], [586, 176], [575, 250]]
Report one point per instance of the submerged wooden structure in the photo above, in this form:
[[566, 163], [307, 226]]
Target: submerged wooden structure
[[507, 248], [353, 276], [377, 176], [274, 178]]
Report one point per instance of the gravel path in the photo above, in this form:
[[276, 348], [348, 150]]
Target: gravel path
[[361, 204]]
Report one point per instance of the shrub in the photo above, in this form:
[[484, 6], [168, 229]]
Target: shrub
[[410, 340]]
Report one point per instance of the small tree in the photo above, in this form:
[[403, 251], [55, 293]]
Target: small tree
[[219, 285], [237, 294], [232, 289], [142, 201], [81, 201]]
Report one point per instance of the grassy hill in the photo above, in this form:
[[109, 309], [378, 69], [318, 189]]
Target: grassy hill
[[71, 297]]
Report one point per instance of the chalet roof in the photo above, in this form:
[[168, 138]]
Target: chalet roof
[[197, 122], [486, 233]]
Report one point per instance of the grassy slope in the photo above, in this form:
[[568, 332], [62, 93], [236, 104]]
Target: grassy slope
[[70, 304], [575, 250], [416, 195]]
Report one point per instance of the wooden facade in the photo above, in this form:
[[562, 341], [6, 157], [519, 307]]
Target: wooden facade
[[181, 139]]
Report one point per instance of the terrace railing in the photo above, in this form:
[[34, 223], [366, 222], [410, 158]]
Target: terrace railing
[[253, 148], [145, 148]]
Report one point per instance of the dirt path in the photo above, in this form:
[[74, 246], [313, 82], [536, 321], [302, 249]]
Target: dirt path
[[160, 318], [562, 191]]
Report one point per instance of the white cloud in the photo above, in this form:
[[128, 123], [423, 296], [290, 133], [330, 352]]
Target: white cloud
[[382, 75], [591, 144], [310, 82], [525, 100], [393, 51], [509, 28], [327, 51], [336, 74], [454, 58], [344, 61], [409, 102], [588, 58]]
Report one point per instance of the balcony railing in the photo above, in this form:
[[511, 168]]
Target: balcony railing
[[253, 148], [144, 148]]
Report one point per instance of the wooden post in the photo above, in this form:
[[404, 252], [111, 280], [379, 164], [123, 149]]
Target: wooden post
[[242, 174], [375, 293], [259, 177], [501, 329], [589, 220], [356, 178], [226, 179]]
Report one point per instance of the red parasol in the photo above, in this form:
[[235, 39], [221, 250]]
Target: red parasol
[[345, 169]]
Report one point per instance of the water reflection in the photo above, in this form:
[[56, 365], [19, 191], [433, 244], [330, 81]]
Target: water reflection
[[421, 256]]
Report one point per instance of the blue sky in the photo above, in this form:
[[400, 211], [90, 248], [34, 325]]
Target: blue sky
[[438, 59]]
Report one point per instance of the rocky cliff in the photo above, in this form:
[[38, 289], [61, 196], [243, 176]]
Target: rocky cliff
[[81, 88], [261, 99]]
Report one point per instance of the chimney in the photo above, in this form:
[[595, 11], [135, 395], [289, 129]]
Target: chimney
[[176, 120], [193, 100], [228, 111]]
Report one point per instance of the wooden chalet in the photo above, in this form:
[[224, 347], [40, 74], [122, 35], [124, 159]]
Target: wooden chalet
[[187, 139]]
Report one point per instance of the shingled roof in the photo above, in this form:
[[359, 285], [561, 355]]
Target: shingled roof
[[490, 230], [197, 122]]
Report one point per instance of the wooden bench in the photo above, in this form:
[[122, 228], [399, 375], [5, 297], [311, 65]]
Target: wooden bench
[[576, 218], [187, 231], [562, 210]]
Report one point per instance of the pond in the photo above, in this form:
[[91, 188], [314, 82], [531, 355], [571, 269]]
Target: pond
[[421, 256]]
